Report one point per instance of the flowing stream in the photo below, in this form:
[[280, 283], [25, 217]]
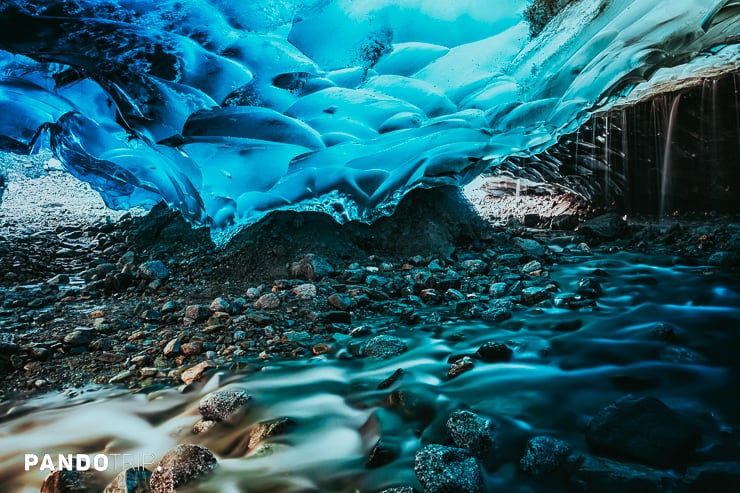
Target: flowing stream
[[660, 329]]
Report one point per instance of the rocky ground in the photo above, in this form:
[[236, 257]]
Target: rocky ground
[[141, 300], [145, 301]]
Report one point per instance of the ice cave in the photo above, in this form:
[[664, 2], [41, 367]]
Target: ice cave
[[310, 305]]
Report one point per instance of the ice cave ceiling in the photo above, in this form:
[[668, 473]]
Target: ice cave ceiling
[[228, 110]]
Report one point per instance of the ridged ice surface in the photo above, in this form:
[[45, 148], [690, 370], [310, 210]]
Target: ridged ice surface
[[228, 110]]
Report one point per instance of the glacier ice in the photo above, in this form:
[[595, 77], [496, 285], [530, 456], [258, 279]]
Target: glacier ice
[[228, 111]]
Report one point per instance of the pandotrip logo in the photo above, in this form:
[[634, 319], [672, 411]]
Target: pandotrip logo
[[86, 462]]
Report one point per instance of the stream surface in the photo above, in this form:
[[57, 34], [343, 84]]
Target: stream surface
[[567, 365]]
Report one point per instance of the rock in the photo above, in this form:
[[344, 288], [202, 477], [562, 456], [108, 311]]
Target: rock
[[197, 312], [475, 266], [337, 317], [268, 301], [81, 336], [219, 305], [311, 268], [224, 405], [442, 469], [472, 432], [122, 376], [181, 466], [496, 315], [606, 226], [589, 287], [600, 475], [172, 348], [195, 373], [267, 429], [723, 259], [531, 267], [532, 247], [644, 430], [388, 382], [132, 480], [713, 476], [382, 453], [305, 291], [494, 352], [63, 481], [153, 270], [399, 489], [532, 296], [460, 366], [385, 347], [340, 301], [58, 279], [203, 425], [545, 455], [498, 289], [564, 222], [454, 296]]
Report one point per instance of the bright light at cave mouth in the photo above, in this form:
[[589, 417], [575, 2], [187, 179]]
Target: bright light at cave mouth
[[227, 112]]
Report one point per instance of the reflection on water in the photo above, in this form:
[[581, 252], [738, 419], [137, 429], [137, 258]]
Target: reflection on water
[[659, 329]]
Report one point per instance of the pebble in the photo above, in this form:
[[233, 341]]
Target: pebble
[[197, 312], [269, 301], [460, 366], [471, 432], [172, 348], [305, 291], [385, 347], [224, 405], [267, 429], [442, 469], [153, 270], [494, 352], [219, 305], [340, 301], [545, 455], [311, 268], [181, 466], [532, 296], [195, 372], [643, 430], [132, 480]]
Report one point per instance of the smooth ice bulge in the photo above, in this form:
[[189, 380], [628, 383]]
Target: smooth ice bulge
[[227, 113]]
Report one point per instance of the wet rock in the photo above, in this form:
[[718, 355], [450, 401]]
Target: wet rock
[[545, 455], [531, 267], [337, 317], [644, 430], [132, 480], [430, 296], [606, 226], [311, 268], [153, 270], [460, 366], [322, 348], [400, 489], [475, 266], [59, 279], [340, 301], [416, 404], [388, 382], [713, 476], [724, 259], [385, 347], [472, 432], [64, 481], [203, 425], [267, 429], [181, 466], [268, 301], [498, 289], [195, 373], [382, 453], [197, 312], [442, 469], [121, 376], [601, 475], [172, 348], [305, 291], [81, 336], [219, 305], [532, 247], [494, 352], [496, 315], [589, 287], [564, 222], [532, 296], [224, 405]]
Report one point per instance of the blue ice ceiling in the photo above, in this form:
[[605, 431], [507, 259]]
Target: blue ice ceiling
[[228, 110]]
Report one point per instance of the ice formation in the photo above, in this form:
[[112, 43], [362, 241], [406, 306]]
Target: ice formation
[[229, 110]]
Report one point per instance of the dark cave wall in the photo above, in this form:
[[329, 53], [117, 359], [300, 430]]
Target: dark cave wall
[[675, 152]]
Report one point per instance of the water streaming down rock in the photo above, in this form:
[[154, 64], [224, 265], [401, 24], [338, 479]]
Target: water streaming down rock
[[120, 89]]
